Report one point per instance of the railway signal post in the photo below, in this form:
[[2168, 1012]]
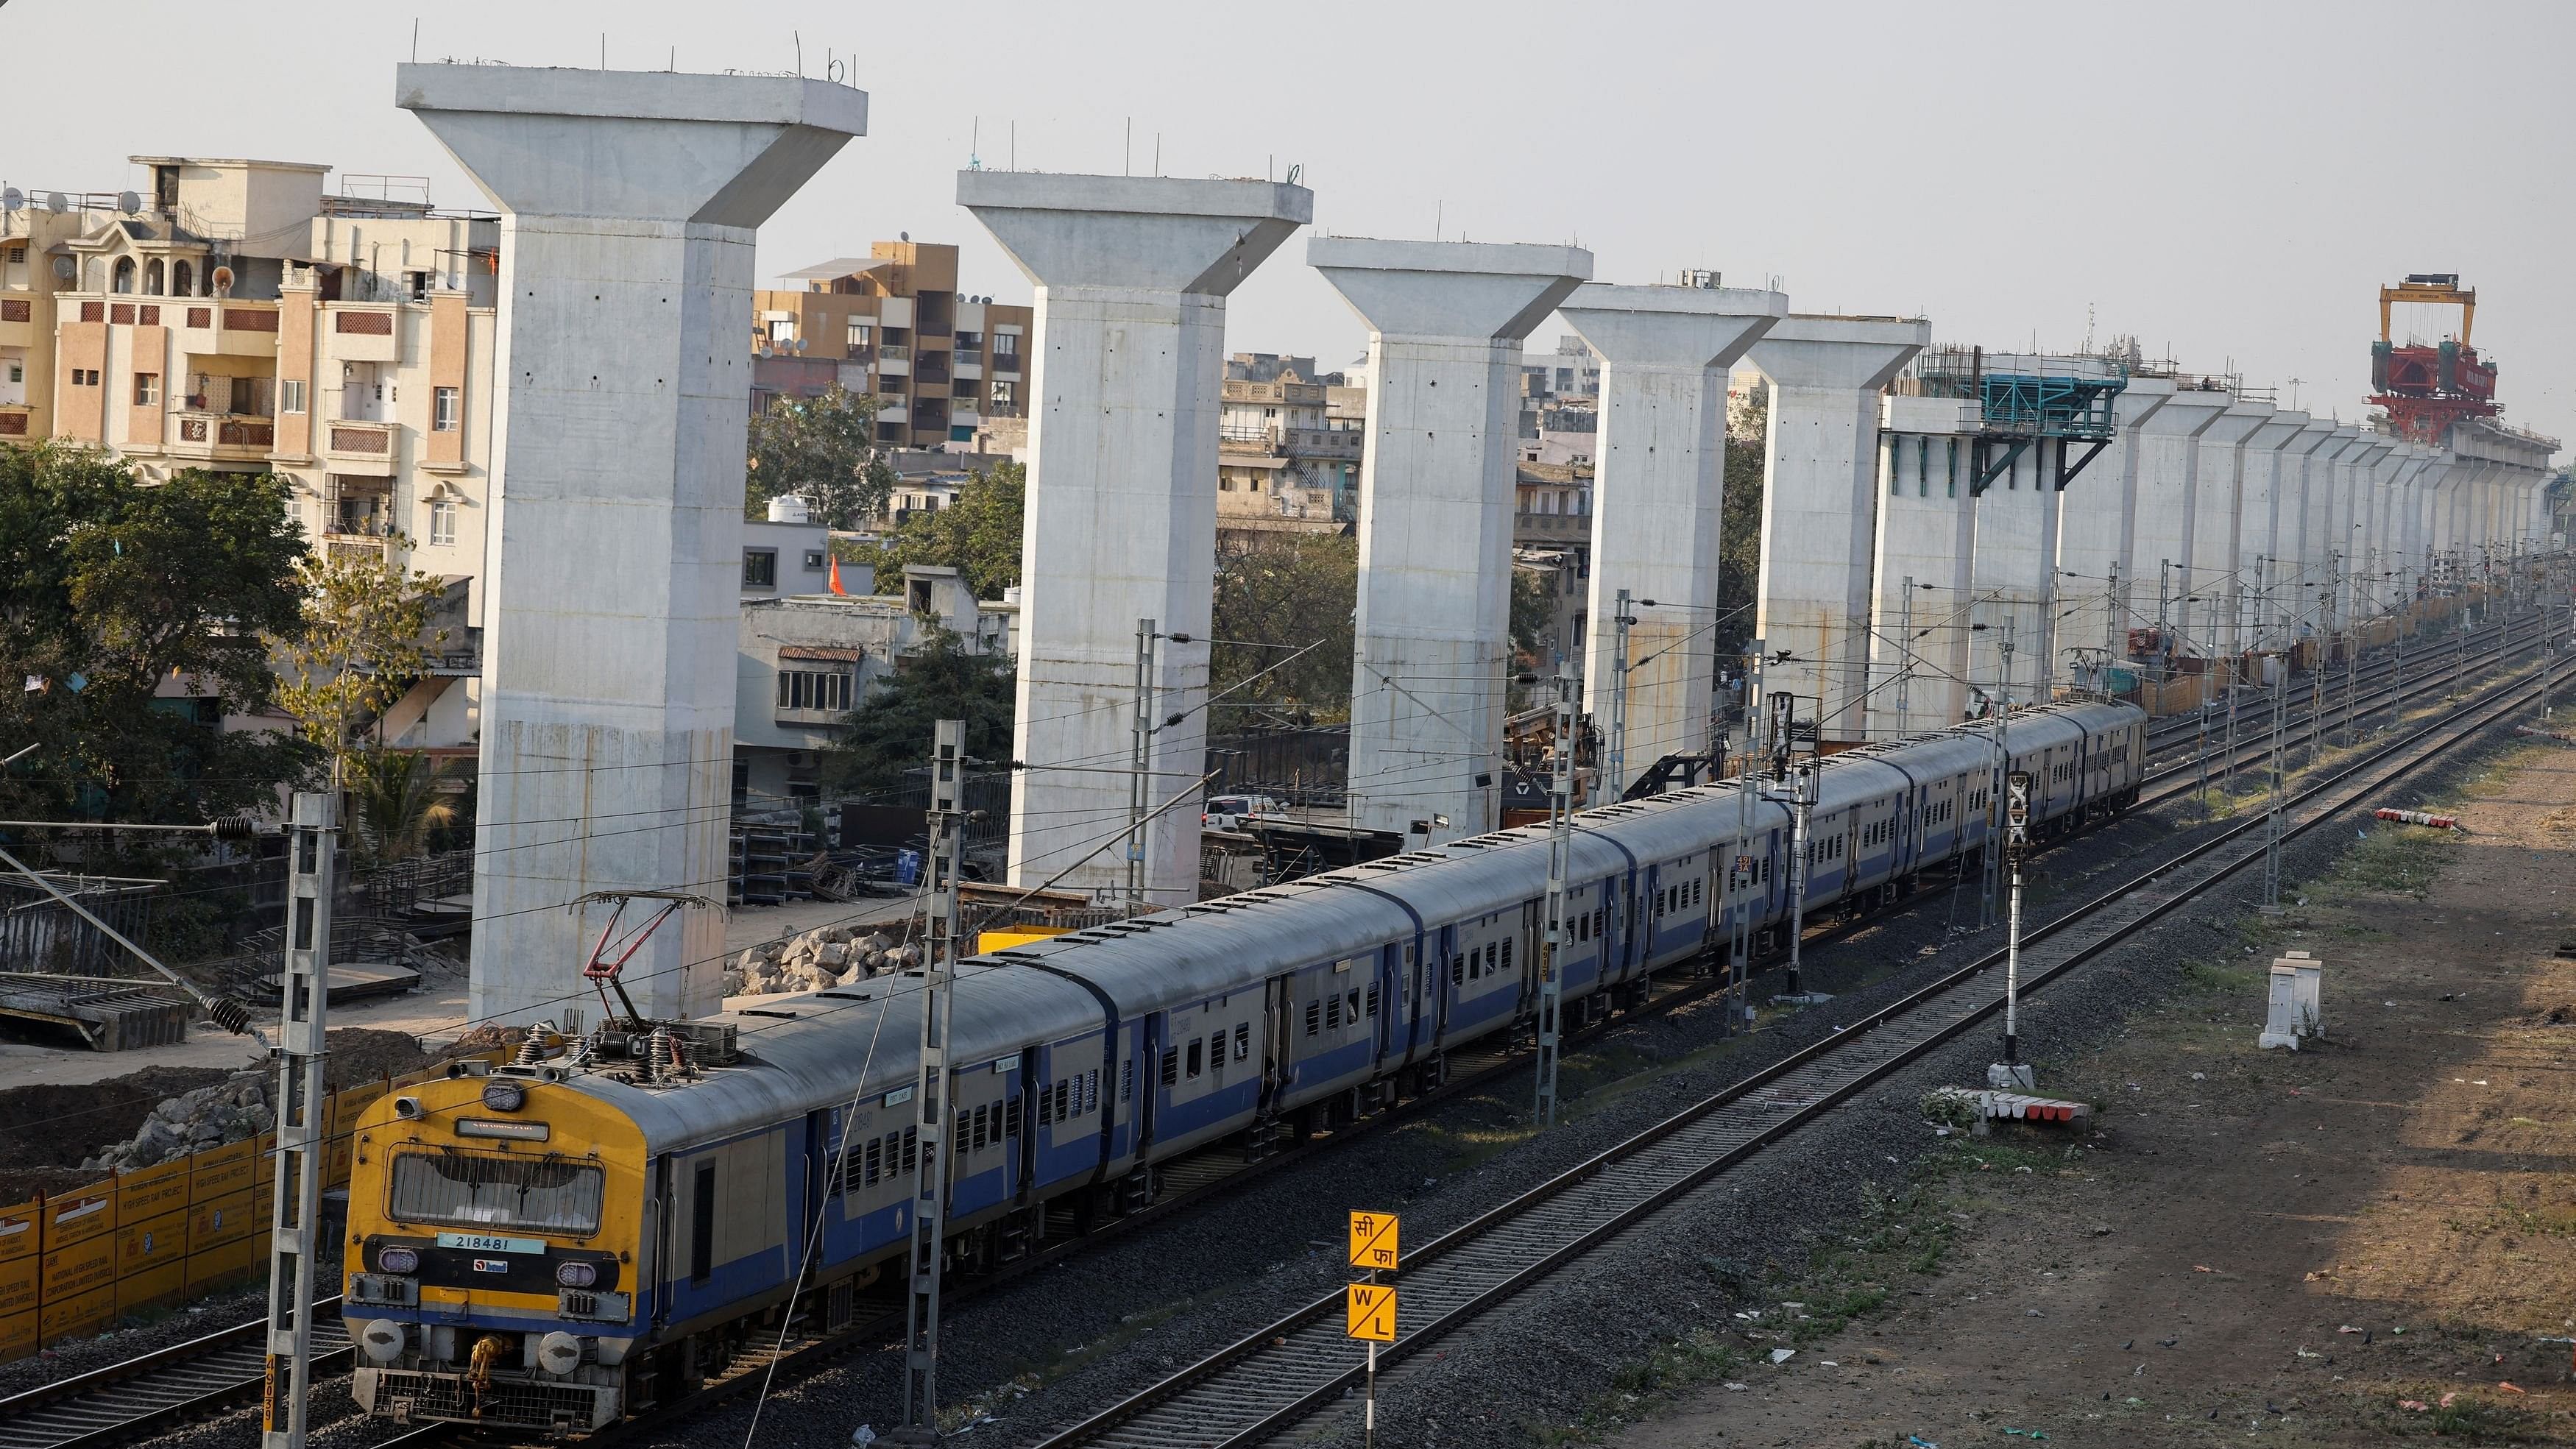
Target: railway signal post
[[303, 1150], [1560, 865], [1369, 1306], [2010, 1072]]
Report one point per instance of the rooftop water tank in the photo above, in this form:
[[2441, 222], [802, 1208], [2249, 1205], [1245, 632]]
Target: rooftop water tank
[[790, 508]]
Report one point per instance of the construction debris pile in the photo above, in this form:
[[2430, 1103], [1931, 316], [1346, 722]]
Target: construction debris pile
[[826, 956], [232, 1110]]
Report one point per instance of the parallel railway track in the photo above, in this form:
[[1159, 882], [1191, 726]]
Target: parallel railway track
[[220, 1371], [1281, 1374]]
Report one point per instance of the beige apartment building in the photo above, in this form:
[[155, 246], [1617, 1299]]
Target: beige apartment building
[[238, 318], [941, 363]]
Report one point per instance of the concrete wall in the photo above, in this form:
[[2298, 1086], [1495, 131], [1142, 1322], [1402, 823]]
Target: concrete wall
[[2097, 539], [2168, 470], [2223, 572], [1923, 554]]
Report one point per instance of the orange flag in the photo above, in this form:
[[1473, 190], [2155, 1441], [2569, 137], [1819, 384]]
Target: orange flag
[[836, 576]]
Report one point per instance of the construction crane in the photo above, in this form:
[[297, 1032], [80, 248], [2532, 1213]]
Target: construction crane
[[2428, 387]]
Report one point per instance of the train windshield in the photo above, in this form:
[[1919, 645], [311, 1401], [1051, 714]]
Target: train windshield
[[491, 1189]]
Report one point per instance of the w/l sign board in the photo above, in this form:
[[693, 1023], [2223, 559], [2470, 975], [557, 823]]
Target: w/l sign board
[[1375, 1241], [1369, 1312]]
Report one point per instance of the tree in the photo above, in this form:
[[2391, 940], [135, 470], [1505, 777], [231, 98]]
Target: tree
[[1276, 594], [396, 800], [889, 733], [979, 535], [360, 639], [1739, 546], [823, 449], [138, 616]]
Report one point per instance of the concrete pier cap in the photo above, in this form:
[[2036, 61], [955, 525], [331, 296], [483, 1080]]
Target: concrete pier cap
[[1446, 322], [1659, 496], [630, 203], [1132, 273], [1820, 477]]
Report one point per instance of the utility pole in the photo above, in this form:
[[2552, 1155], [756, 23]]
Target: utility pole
[[1615, 769], [2316, 669], [303, 1144], [1748, 791], [1905, 658], [1990, 860], [2111, 641], [2010, 1072], [1803, 780], [1560, 865], [931, 1113], [2460, 654], [2272, 809], [1139, 765], [2227, 765]]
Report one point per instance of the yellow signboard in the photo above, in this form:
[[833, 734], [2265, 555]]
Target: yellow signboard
[[1370, 1311], [1374, 1241]]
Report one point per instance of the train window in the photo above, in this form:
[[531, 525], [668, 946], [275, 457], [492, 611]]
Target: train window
[[1351, 1013], [1600, 919], [1011, 1118], [1172, 1067], [702, 1216], [1064, 1103], [1216, 1052], [1198, 1057], [1457, 970], [495, 1190], [1490, 948], [1372, 1001], [1127, 1079], [1314, 1017], [1333, 1012], [969, 1126], [872, 1161], [1507, 953], [1090, 1092], [1243, 1042]]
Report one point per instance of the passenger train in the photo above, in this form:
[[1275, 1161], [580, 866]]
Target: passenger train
[[553, 1245]]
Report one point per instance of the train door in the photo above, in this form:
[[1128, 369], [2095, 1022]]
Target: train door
[[1144, 1075], [1653, 916]]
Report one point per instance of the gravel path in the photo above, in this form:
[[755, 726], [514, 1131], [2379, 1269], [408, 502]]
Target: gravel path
[[1069, 1340]]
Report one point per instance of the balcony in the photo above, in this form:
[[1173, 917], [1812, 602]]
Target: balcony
[[204, 434], [931, 368], [371, 442], [17, 322], [1006, 364], [894, 359], [14, 420], [354, 547], [1551, 526]]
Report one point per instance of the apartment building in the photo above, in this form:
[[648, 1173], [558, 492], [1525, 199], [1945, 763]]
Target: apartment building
[[892, 323], [1287, 457], [238, 318]]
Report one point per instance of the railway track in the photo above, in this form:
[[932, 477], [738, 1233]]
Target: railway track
[[221, 1370], [159, 1389], [1289, 1370]]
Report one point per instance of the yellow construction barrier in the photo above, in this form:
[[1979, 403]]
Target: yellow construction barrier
[[73, 1262]]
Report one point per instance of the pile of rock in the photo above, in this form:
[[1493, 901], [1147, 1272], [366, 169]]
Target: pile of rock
[[826, 956], [232, 1110]]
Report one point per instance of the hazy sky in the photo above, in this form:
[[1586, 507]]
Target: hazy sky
[[2229, 182]]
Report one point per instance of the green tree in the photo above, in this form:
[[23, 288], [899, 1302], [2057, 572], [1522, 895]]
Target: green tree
[[358, 643], [978, 535], [822, 448], [397, 799], [1276, 594], [138, 618], [1739, 543], [889, 733]]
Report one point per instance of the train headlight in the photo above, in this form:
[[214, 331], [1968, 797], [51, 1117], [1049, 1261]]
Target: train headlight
[[576, 1275], [383, 1339], [398, 1260], [559, 1353], [504, 1096]]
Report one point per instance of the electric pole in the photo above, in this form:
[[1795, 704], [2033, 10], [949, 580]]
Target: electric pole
[[1560, 865], [1905, 658], [1748, 791], [2272, 809], [1139, 763], [930, 1091], [1614, 770], [303, 1142]]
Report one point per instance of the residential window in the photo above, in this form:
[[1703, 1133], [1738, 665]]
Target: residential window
[[442, 521], [17, 371], [860, 333], [814, 689], [814, 560], [782, 329], [147, 388], [290, 395], [760, 568], [1006, 349], [444, 407]]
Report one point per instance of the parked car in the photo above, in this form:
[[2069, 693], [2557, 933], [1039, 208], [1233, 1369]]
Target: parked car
[[1229, 812]]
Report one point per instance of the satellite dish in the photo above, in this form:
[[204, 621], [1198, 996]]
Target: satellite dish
[[903, 236], [128, 202], [55, 203], [12, 198]]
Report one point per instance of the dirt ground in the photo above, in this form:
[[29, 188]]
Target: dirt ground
[[2363, 1242]]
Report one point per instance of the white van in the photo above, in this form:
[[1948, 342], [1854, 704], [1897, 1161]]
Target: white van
[[1229, 812]]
